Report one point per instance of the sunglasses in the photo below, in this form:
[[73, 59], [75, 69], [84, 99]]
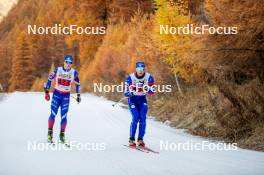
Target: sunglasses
[[68, 62]]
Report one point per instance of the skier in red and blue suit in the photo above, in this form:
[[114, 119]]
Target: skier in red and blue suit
[[64, 77], [138, 85]]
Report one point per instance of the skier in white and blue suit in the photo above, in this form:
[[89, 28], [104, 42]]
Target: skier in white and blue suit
[[64, 77], [138, 85]]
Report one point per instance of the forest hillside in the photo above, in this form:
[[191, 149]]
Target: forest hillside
[[217, 80]]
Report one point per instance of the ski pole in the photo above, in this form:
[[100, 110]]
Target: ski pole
[[119, 101], [73, 97]]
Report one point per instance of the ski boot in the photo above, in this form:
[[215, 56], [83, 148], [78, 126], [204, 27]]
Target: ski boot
[[62, 137], [50, 136], [140, 143], [132, 142]]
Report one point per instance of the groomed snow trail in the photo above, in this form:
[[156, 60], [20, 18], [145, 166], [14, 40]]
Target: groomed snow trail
[[23, 119]]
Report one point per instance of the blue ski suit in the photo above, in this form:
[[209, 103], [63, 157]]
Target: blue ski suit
[[61, 95], [136, 89]]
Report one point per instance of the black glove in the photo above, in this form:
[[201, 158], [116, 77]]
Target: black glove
[[78, 99]]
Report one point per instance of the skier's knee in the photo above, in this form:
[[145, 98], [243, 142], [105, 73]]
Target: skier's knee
[[63, 116], [64, 110], [142, 122], [53, 114], [134, 121]]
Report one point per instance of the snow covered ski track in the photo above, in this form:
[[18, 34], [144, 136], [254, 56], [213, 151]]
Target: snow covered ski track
[[24, 116]]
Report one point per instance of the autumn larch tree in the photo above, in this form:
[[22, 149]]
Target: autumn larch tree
[[22, 65]]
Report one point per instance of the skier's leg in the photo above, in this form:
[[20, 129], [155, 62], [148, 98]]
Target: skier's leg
[[142, 120], [64, 110], [134, 122], [55, 103]]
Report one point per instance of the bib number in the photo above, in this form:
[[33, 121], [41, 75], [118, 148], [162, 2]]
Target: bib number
[[64, 82]]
